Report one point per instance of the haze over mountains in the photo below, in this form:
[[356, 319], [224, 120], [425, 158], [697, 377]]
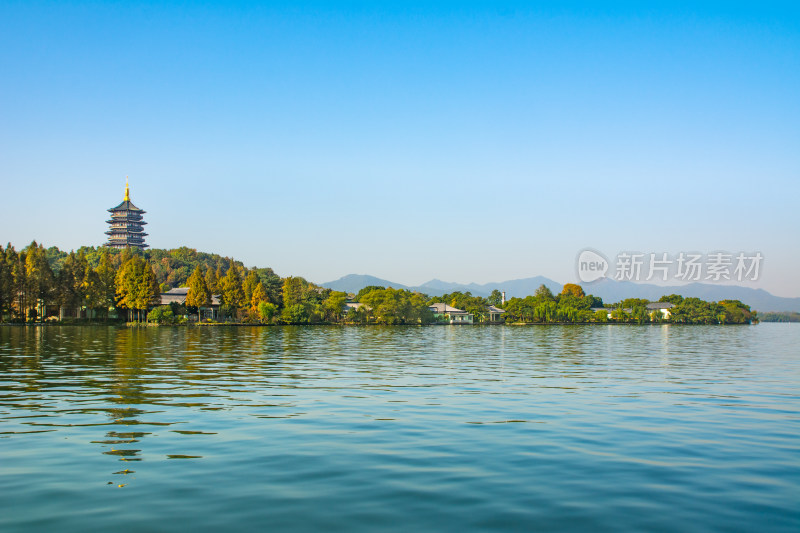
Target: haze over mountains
[[608, 289]]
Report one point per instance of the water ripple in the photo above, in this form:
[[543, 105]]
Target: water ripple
[[439, 428]]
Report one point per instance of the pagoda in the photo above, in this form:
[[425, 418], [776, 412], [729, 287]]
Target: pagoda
[[126, 223]]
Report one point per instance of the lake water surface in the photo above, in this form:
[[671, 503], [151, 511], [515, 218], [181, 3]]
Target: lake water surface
[[562, 428]]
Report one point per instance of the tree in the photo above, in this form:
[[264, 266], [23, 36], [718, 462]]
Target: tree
[[93, 291], [619, 314], [735, 312], [249, 285], [39, 280], [259, 295], [137, 286], [592, 301], [295, 314], [634, 302], [365, 290], [162, 314], [496, 298], [273, 284], [6, 279], [105, 289], [72, 281], [397, 306], [333, 305], [266, 310], [640, 314], [212, 281], [16, 263], [292, 291], [198, 295], [232, 291], [571, 289], [543, 293]]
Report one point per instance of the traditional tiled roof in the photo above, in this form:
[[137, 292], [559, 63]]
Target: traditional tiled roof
[[178, 295], [126, 205], [659, 305], [178, 290], [440, 307]]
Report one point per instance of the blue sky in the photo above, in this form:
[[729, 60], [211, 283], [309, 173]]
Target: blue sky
[[466, 141]]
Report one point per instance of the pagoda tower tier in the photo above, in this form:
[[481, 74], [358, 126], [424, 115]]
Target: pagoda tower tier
[[126, 225]]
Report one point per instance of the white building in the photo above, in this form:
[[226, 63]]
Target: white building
[[449, 313]]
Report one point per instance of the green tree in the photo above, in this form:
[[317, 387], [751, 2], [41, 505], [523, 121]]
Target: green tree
[[292, 291], [266, 310], [162, 314], [93, 292], [367, 289], [295, 314], [73, 282], [273, 284], [634, 302], [592, 301], [333, 305], [397, 306], [496, 298], [543, 293], [105, 289], [619, 314]]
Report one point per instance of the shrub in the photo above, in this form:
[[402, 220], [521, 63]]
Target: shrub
[[161, 315]]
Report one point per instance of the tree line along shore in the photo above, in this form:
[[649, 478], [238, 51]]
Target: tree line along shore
[[100, 284]]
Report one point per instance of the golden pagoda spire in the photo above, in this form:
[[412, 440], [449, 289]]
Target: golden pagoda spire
[[127, 192]]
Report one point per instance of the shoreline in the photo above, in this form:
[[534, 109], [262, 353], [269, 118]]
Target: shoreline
[[331, 324]]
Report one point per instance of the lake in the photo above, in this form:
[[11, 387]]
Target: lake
[[484, 428]]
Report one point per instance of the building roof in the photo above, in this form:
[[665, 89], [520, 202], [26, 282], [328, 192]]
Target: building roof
[[659, 305], [178, 296], [440, 307], [178, 290], [126, 205], [356, 305], [493, 309]]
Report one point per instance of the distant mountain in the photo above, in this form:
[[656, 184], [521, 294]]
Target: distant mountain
[[613, 291], [608, 289], [355, 282], [519, 287]]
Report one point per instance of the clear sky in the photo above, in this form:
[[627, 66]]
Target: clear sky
[[466, 141]]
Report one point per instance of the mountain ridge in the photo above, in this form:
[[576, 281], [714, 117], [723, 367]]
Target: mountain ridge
[[608, 289]]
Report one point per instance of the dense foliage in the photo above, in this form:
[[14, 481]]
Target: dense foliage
[[38, 284], [786, 316]]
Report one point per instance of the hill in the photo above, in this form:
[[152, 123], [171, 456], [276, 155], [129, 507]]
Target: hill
[[608, 289]]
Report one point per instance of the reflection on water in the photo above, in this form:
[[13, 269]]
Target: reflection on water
[[439, 428]]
